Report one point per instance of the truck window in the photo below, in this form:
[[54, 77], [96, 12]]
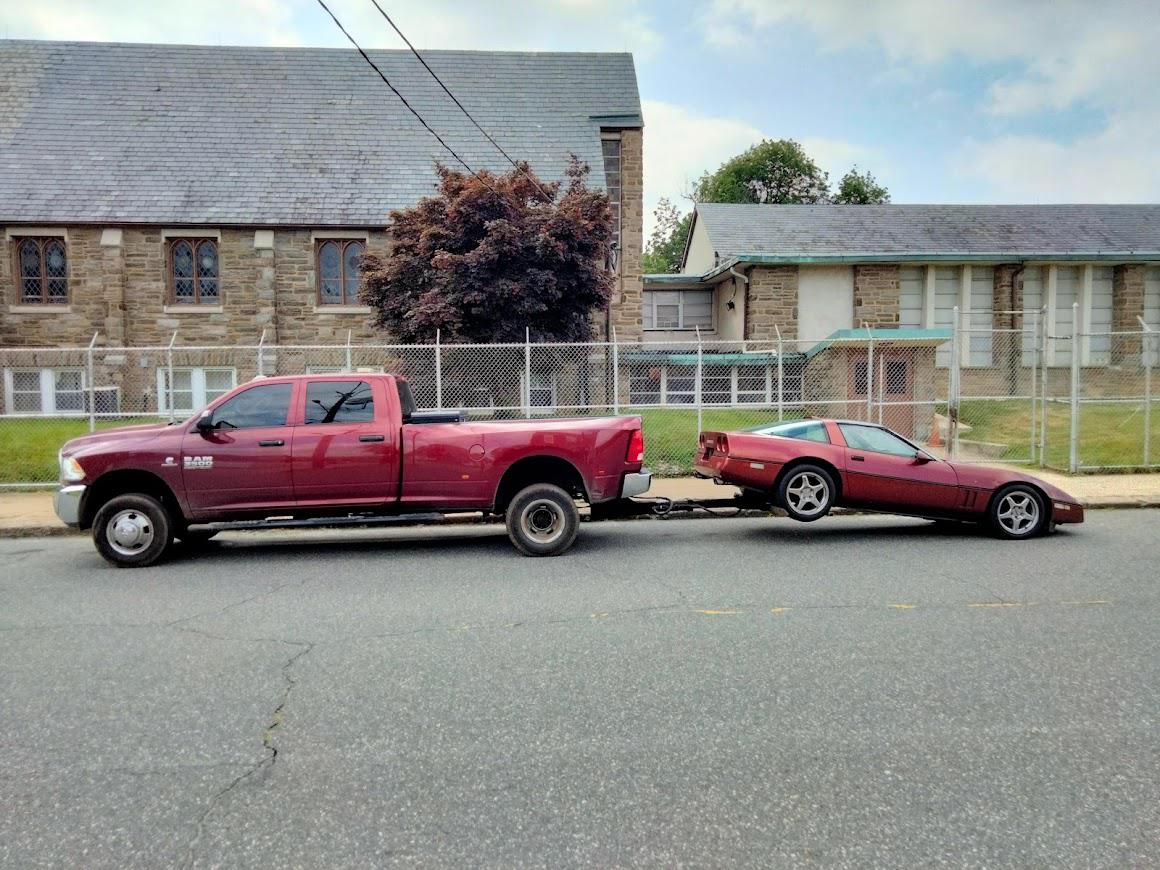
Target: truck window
[[339, 402], [265, 405]]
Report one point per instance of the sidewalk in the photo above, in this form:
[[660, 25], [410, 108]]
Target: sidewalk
[[30, 514]]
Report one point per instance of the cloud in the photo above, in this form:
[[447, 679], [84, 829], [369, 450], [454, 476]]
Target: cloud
[[575, 25], [680, 145], [1046, 59]]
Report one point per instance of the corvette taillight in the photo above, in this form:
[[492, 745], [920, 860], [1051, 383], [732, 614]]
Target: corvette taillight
[[722, 444], [635, 447]]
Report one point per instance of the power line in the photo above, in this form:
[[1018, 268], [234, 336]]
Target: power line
[[403, 100], [455, 100]]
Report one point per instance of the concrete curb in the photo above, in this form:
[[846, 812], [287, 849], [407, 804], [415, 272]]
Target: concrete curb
[[696, 514]]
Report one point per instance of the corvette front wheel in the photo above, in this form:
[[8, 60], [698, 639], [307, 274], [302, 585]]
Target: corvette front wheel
[[1018, 512], [806, 493]]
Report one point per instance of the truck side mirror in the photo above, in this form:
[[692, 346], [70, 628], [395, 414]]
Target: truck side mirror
[[205, 424]]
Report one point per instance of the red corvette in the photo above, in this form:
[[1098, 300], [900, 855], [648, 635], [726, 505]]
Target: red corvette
[[808, 466]]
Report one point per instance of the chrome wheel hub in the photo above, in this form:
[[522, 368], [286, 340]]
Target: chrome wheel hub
[[543, 521], [129, 532], [807, 493], [1018, 513]]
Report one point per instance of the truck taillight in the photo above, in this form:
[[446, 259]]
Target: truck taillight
[[635, 447]]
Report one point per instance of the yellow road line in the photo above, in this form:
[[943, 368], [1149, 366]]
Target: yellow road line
[[778, 609], [997, 604], [1084, 603], [903, 606], [720, 612]]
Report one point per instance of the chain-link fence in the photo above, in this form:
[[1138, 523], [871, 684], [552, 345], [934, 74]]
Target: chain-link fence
[[1009, 392]]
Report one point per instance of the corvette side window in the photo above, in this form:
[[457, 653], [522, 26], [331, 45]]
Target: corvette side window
[[875, 440], [807, 430]]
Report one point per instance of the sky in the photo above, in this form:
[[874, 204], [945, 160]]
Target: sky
[[951, 101]]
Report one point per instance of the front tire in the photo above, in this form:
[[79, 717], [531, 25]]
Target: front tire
[[1018, 512], [542, 520], [806, 492], [132, 531]]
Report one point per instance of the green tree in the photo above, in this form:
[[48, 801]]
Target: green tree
[[772, 171], [666, 244], [860, 188]]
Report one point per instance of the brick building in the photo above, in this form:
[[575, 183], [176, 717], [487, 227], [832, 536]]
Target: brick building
[[226, 193]]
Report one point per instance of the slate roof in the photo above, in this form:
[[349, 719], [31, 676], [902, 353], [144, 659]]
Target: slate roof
[[917, 230], [137, 133]]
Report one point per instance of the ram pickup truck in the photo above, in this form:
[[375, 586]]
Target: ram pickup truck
[[340, 449]]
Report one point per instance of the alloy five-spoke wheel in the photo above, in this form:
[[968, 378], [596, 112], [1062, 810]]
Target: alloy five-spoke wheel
[[806, 493], [1018, 512]]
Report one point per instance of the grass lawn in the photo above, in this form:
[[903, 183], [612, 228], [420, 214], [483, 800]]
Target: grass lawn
[[28, 447], [1110, 433], [670, 434]]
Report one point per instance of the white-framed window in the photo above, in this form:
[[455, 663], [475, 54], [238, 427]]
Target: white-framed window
[[928, 296], [673, 310], [1152, 312], [44, 391], [193, 388], [541, 392], [1099, 347], [721, 384], [1069, 300]]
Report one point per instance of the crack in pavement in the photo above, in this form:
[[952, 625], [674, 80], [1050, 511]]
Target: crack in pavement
[[270, 749]]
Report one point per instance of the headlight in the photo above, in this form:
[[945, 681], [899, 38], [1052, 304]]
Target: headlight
[[70, 469]]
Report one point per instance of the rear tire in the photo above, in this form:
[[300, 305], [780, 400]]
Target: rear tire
[[132, 531], [542, 520], [806, 492], [1018, 512]]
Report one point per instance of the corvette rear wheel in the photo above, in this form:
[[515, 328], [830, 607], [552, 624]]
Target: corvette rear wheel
[[1018, 512], [806, 493]]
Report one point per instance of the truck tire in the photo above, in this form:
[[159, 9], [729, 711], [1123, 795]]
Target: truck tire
[[542, 520], [132, 531]]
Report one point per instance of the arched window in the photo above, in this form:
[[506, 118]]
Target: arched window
[[43, 269], [193, 272], [339, 271]]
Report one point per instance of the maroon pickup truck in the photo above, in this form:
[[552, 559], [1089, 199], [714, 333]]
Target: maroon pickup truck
[[340, 450]]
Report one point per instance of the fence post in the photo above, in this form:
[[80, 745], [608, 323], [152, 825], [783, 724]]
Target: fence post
[[92, 385], [169, 376], [881, 381], [1073, 435], [953, 384], [438, 369], [615, 373], [1035, 375], [1148, 346], [349, 365], [527, 371], [780, 377], [1043, 382], [869, 373], [700, 378], [262, 354]]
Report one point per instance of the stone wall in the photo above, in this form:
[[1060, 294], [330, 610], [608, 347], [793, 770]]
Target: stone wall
[[626, 299], [771, 302], [876, 295], [1127, 306]]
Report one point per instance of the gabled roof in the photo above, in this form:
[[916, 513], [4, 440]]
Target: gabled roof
[[870, 232], [136, 133]]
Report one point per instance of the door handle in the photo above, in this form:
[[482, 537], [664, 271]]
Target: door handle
[[368, 438], [858, 458], [277, 442]]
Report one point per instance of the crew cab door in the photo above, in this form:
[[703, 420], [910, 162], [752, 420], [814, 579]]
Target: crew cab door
[[347, 450], [882, 471], [243, 462]]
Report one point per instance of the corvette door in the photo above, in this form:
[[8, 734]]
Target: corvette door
[[882, 471]]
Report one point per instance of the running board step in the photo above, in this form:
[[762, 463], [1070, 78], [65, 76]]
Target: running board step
[[327, 522]]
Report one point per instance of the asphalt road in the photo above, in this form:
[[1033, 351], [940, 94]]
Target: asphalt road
[[859, 692]]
